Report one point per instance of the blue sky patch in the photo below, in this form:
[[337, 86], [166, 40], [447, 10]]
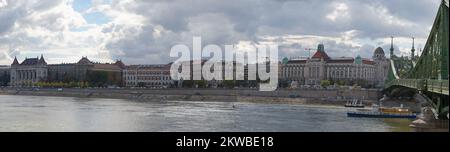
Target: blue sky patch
[[91, 18], [81, 5], [96, 18]]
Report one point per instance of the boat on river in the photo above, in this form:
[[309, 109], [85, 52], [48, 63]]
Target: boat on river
[[355, 103], [383, 112]]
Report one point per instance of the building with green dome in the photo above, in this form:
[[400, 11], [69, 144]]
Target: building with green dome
[[346, 70]]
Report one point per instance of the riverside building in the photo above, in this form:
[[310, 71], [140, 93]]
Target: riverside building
[[347, 70], [153, 76], [34, 70], [5, 75], [29, 72], [85, 71]]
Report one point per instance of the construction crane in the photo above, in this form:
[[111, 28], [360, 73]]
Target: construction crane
[[309, 51]]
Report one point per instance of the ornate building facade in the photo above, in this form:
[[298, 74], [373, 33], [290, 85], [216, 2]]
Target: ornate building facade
[[311, 71], [84, 70], [157, 76], [70, 71], [29, 72], [34, 70]]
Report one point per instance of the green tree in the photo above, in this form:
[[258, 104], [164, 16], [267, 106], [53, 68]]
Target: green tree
[[340, 82], [325, 83]]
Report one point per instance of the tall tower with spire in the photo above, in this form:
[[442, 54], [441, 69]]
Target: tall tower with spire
[[392, 47], [413, 50]]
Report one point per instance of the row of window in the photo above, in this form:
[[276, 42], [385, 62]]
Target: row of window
[[332, 72], [146, 72], [131, 78], [148, 83], [28, 74]]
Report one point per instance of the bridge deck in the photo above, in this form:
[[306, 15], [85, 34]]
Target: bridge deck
[[435, 86]]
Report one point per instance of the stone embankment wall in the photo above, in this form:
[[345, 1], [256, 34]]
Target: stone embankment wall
[[249, 95]]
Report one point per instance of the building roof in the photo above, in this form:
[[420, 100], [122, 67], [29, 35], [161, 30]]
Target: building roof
[[15, 62], [30, 61], [338, 60], [42, 60], [379, 50], [321, 55], [84, 60], [367, 61], [106, 67], [296, 61], [346, 60], [120, 64]]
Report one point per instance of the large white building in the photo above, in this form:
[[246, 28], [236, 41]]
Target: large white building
[[147, 76], [29, 72], [311, 71]]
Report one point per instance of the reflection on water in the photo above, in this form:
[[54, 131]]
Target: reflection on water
[[399, 125], [25, 113]]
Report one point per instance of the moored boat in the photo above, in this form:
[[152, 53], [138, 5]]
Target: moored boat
[[380, 115], [354, 104], [383, 112]]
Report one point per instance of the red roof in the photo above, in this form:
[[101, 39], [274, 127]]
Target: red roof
[[320, 55], [296, 61], [368, 62], [341, 61]]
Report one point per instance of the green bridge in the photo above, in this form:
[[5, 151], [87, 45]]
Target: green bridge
[[425, 75]]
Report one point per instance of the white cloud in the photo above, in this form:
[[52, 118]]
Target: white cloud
[[3, 3], [340, 12], [144, 31], [46, 27]]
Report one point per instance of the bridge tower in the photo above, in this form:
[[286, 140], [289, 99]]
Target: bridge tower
[[392, 47], [427, 80], [413, 50]]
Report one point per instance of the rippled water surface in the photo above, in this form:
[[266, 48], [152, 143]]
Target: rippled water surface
[[27, 113]]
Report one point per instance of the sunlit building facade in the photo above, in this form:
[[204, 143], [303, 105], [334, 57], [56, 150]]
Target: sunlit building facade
[[347, 70]]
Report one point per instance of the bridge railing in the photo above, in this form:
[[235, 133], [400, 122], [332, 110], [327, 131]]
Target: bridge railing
[[437, 86], [410, 83]]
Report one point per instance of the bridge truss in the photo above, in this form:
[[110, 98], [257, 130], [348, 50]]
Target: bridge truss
[[428, 75]]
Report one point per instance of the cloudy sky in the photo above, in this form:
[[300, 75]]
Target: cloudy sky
[[143, 31]]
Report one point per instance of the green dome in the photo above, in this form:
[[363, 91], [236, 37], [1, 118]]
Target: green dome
[[285, 60], [358, 59]]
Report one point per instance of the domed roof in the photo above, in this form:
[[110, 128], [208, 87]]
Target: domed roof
[[379, 50], [285, 60], [358, 59], [321, 54], [84, 60]]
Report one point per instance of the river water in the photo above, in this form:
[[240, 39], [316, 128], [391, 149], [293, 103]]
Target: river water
[[55, 114]]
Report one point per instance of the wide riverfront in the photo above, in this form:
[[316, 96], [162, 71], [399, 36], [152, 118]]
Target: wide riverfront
[[42, 113]]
